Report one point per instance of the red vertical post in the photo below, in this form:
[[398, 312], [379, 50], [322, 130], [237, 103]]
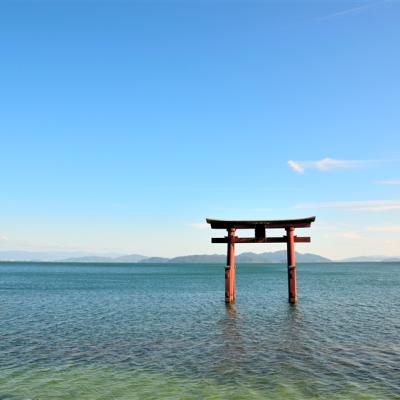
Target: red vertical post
[[230, 268], [291, 261]]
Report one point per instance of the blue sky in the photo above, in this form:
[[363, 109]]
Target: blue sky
[[124, 124]]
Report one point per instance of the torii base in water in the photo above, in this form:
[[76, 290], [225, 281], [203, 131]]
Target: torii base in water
[[260, 236]]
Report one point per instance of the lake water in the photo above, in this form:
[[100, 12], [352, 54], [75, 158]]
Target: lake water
[[138, 331]]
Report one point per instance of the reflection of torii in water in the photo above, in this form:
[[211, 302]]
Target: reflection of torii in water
[[260, 237], [233, 350]]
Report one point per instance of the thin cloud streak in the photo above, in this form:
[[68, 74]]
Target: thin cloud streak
[[296, 166], [351, 11], [353, 235], [199, 225], [325, 164], [388, 228], [389, 182], [357, 205]]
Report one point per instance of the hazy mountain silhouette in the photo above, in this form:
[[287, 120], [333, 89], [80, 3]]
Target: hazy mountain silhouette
[[247, 257]]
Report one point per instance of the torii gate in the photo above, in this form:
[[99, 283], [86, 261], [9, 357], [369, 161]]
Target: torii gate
[[260, 237]]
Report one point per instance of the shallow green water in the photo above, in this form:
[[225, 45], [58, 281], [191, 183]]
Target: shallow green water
[[163, 331]]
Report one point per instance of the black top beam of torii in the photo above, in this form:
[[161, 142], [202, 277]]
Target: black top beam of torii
[[260, 236]]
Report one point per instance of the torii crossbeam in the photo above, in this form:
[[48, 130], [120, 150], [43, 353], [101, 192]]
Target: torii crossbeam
[[260, 236]]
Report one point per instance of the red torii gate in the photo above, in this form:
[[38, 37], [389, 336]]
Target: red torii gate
[[260, 237]]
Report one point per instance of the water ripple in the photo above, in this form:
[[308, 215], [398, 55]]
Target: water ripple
[[154, 331]]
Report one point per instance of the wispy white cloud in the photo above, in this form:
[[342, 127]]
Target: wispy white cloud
[[353, 235], [325, 164], [358, 205], [389, 182], [199, 225], [296, 166], [3, 238], [352, 10], [384, 228]]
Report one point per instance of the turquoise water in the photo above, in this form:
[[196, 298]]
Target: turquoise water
[[70, 331]]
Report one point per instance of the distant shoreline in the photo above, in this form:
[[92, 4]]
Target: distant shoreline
[[191, 263], [272, 257]]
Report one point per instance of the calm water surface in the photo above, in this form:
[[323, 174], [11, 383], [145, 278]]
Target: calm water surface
[[138, 331]]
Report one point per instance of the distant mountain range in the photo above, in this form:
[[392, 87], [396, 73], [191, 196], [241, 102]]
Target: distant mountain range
[[265, 258], [20, 255], [131, 258]]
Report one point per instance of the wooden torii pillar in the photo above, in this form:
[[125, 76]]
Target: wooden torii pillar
[[260, 237]]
